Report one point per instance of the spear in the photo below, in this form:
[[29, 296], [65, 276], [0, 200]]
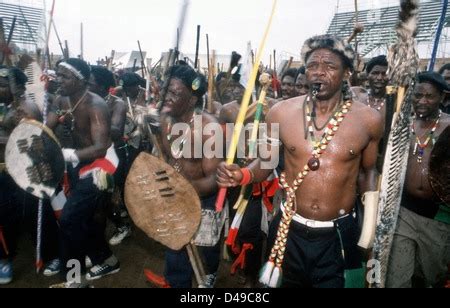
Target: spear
[[143, 66], [47, 39], [244, 107], [403, 65], [59, 39], [197, 50], [211, 71], [246, 191], [67, 53], [438, 35], [81, 42], [11, 30]]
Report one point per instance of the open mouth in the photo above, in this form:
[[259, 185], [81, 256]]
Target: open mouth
[[316, 87]]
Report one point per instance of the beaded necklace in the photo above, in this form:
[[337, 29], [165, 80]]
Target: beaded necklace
[[63, 114], [271, 272], [177, 153], [378, 103], [332, 125], [419, 148]]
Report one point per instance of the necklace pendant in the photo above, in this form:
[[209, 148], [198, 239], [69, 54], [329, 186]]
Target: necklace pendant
[[314, 163]]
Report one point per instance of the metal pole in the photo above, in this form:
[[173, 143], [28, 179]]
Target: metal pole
[[438, 36], [81, 43]]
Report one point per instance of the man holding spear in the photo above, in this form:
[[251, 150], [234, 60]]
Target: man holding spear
[[330, 142]]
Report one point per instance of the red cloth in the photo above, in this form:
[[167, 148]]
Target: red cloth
[[240, 261], [267, 190], [157, 280], [3, 241]]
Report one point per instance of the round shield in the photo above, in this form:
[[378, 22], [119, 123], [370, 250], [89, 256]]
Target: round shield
[[34, 159], [440, 167], [161, 202]]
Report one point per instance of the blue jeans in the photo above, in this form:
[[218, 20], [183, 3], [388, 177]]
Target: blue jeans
[[20, 209], [81, 232], [178, 269]]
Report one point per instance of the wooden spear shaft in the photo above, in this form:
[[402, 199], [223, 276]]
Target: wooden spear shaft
[[244, 107], [197, 50], [241, 205]]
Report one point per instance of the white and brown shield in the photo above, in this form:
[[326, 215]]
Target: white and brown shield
[[440, 167], [161, 202], [34, 159]]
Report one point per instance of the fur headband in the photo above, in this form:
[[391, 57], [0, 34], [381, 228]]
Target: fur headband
[[332, 43]]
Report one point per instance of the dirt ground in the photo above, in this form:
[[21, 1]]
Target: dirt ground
[[136, 253]]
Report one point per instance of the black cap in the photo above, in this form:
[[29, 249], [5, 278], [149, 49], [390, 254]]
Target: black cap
[[435, 79]]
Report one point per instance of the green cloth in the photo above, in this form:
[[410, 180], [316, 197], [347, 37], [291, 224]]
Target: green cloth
[[444, 214], [355, 279]]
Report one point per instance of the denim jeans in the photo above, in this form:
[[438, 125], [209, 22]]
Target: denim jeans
[[178, 269], [19, 210], [81, 233]]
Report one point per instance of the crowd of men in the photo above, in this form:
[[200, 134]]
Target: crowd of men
[[329, 147]]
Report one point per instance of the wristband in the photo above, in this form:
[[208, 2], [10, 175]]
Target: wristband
[[247, 176]]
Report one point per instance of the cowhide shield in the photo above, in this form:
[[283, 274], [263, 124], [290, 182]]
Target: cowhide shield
[[161, 202], [34, 159], [440, 167]]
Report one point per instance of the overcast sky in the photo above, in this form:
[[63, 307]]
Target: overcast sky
[[118, 24]]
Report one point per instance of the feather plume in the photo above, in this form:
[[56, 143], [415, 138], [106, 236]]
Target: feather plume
[[403, 65], [403, 57]]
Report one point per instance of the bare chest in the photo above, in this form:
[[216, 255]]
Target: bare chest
[[347, 144]]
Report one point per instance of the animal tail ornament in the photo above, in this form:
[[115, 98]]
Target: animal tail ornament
[[403, 65]]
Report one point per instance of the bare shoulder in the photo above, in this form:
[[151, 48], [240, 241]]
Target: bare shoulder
[[359, 94], [229, 113], [285, 109], [445, 121], [118, 104], [358, 90], [118, 100], [368, 117], [96, 101], [209, 118]]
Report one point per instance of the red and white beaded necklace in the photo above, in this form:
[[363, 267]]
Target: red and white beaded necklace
[[378, 103], [419, 148]]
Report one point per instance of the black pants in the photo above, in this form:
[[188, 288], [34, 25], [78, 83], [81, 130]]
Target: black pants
[[18, 212], [178, 271], [116, 204], [317, 258], [250, 233], [81, 231]]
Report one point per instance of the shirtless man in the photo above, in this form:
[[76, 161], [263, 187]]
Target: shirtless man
[[136, 129], [288, 84], [325, 198], [13, 201], [89, 165], [422, 241], [100, 83], [301, 84], [445, 73], [183, 103], [378, 80]]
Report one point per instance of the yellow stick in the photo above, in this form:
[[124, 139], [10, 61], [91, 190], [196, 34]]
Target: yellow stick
[[244, 106], [248, 93]]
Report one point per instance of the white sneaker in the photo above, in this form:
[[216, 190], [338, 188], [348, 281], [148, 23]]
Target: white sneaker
[[120, 235], [88, 262], [52, 268], [210, 281]]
